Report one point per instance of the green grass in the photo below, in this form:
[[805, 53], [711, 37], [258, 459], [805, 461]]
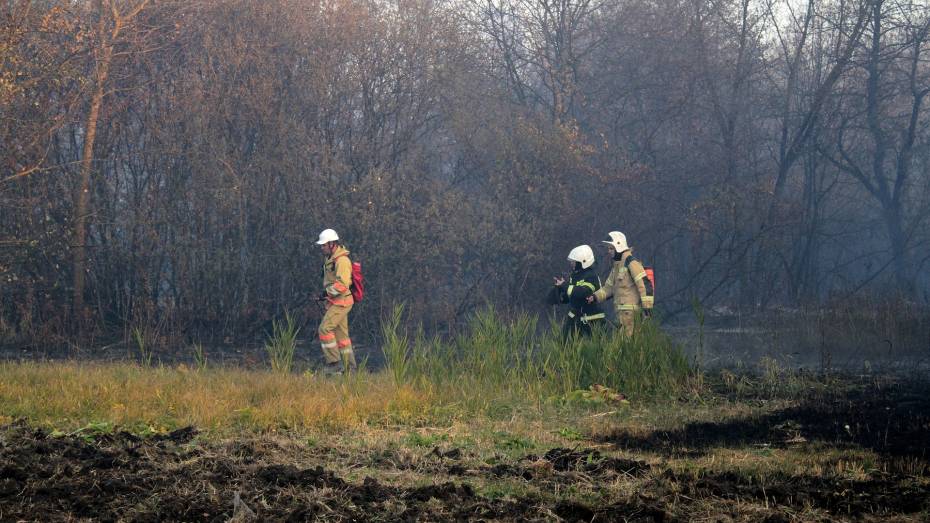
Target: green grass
[[282, 343], [143, 346], [508, 357], [199, 356]]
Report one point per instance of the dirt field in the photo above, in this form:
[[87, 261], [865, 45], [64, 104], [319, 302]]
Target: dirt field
[[612, 475]]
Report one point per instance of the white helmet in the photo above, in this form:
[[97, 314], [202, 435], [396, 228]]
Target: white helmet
[[583, 255], [327, 236], [618, 240]]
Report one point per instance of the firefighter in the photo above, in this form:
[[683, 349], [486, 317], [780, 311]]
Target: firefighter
[[626, 284], [337, 299], [581, 285]]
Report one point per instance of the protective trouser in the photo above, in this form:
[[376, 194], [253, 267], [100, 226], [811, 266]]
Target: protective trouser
[[334, 336], [575, 325], [629, 317]]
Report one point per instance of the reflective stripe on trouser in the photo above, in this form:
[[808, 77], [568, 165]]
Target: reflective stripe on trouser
[[334, 329], [346, 352], [328, 341], [589, 317]]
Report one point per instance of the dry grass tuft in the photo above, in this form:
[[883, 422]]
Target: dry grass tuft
[[68, 396]]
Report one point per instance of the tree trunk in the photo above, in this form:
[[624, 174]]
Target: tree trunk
[[903, 278], [82, 193]]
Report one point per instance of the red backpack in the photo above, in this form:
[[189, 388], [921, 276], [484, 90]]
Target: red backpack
[[357, 287], [358, 282], [650, 282]]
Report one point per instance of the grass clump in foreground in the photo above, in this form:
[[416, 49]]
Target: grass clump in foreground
[[282, 343], [510, 358]]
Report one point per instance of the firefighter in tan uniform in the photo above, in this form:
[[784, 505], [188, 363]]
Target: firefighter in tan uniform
[[626, 284], [334, 328]]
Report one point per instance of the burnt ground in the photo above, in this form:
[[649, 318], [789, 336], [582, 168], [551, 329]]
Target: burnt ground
[[122, 476], [892, 419], [180, 477]]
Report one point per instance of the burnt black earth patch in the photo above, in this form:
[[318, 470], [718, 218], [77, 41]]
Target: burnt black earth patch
[[592, 461], [836, 495], [893, 420], [122, 477], [563, 462]]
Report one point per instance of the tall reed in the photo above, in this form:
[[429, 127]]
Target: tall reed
[[282, 343], [395, 344], [499, 354]]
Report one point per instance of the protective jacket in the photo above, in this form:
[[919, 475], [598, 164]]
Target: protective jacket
[[575, 291], [337, 277], [625, 285], [334, 327]]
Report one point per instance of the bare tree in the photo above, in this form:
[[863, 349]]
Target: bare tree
[[884, 120], [114, 21]]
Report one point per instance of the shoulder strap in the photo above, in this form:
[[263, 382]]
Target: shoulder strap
[[333, 261]]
